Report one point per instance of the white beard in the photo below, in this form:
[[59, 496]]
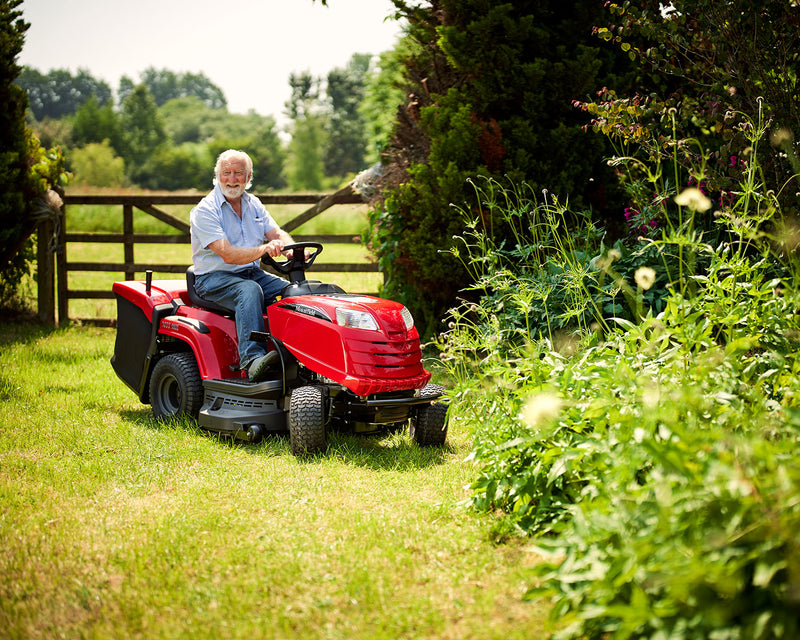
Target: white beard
[[233, 191]]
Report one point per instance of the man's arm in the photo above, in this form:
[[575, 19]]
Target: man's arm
[[245, 255], [280, 235]]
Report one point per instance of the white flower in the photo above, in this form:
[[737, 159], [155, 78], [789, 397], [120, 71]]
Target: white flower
[[693, 198], [645, 278], [780, 137], [541, 408]]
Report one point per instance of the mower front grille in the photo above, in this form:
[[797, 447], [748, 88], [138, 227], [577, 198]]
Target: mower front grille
[[401, 358]]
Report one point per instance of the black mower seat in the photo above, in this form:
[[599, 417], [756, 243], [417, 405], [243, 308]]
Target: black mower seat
[[197, 301]]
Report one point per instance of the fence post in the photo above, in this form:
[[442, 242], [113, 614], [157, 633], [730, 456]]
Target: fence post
[[61, 267], [127, 232], [45, 261]]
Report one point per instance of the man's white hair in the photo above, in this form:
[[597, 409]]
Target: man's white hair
[[233, 154]]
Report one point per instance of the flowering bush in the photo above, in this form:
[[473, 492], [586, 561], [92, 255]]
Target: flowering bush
[[652, 454]]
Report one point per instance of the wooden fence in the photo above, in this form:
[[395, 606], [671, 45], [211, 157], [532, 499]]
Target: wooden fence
[[55, 266]]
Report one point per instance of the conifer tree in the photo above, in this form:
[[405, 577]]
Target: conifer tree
[[26, 170], [489, 89]]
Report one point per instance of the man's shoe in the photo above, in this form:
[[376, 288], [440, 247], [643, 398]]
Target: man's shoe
[[257, 369]]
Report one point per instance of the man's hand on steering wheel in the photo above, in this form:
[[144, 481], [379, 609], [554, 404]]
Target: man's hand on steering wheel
[[310, 251], [275, 248]]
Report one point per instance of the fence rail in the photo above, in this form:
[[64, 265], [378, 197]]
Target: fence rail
[[54, 267]]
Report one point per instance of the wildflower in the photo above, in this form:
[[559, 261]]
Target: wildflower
[[693, 198], [631, 213], [780, 137], [651, 396], [645, 278], [541, 408], [604, 262], [641, 222]]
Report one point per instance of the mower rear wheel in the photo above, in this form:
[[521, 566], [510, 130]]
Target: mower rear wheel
[[307, 418], [175, 386], [428, 426]]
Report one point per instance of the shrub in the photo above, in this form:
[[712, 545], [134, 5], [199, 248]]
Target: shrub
[[652, 456], [713, 62], [97, 165], [489, 90], [187, 166], [26, 170]]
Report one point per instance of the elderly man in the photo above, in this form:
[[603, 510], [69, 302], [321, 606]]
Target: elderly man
[[231, 230]]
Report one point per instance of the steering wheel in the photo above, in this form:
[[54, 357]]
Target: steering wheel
[[296, 262]]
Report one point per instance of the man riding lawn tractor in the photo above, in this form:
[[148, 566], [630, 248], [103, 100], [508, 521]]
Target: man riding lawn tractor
[[247, 352]]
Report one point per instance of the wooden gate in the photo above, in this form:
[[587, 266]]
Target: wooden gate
[[129, 267]]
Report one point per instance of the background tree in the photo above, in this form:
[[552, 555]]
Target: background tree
[[58, 92], [258, 135], [95, 123], [345, 151], [193, 126], [52, 132], [185, 119], [383, 95], [199, 133], [144, 129], [171, 167], [26, 170], [124, 88], [167, 85], [305, 169], [98, 165]]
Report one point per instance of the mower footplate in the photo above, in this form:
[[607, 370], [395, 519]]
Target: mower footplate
[[234, 407]]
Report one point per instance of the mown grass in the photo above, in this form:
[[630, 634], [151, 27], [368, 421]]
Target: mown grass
[[114, 525]]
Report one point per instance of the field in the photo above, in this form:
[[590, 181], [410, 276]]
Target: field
[[114, 525]]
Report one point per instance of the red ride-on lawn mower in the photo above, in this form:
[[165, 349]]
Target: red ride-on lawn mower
[[348, 362]]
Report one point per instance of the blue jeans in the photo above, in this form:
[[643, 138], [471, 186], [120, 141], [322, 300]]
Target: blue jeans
[[247, 293]]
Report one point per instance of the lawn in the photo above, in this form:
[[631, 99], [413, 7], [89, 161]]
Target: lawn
[[114, 525]]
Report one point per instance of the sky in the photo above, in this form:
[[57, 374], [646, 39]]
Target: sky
[[248, 48]]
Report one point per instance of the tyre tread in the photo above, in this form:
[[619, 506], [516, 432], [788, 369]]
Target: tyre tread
[[307, 420]]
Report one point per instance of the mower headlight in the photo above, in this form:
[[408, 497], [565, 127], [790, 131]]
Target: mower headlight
[[356, 319], [407, 318]]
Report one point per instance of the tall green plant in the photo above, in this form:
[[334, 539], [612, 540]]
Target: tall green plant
[[26, 170], [660, 451], [144, 130]]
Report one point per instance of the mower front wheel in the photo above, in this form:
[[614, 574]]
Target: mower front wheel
[[175, 386], [428, 426], [307, 419]]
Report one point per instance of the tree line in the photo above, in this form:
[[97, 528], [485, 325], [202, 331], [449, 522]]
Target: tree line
[[164, 130]]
